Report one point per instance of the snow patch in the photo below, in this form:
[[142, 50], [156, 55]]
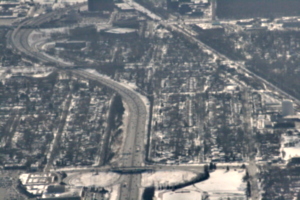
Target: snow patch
[[166, 178], [93, 179], [222, 181], [178, 195], [41, 75], [221, 184], [114, 192]]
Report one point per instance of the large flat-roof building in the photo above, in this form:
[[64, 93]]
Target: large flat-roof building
[[172, 4], [243, 9], [100, 5], [287, 108], [62, 192], [35, 183]]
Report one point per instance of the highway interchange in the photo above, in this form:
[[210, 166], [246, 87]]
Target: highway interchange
[[138, 118]]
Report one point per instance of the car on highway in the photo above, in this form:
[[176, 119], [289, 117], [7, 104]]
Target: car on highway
[[137, 149], [125, 184]]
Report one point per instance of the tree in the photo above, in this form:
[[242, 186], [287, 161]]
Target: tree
[[206, 171], [246, 177], [248, 190], [211, 166]]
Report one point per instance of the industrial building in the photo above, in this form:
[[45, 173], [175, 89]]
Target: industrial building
[[124, 7], [100, 5], [187, 7], [35, 183], [13, 10], [295, 24], [61, 192], [172, 4], [287, 108]]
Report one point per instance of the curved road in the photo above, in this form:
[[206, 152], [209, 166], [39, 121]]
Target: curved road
[[138, 114], [134, 141]]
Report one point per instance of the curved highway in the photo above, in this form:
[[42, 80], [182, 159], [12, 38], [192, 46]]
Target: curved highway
[[133, 147], [136, 128], [19, 37]]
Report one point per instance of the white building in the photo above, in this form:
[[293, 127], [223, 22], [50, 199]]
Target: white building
[[287, 107]]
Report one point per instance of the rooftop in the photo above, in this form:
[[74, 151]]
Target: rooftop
[[124, 6]]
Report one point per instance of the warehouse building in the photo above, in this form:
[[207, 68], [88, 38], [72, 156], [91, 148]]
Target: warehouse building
[[100, 5]]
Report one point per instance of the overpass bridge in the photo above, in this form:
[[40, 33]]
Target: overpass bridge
[[196, 168], [138, 169], [132, 170]]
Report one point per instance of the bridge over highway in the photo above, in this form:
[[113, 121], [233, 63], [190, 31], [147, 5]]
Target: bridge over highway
[[197, 168]]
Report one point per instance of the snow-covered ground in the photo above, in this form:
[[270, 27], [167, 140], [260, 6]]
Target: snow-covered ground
[[59, 1], [179, 195], [27, 71], [166, 178], [41, 75], [100, 179], [114, 194], [222, 181], [290, 146], [221, 184], [115, 146]]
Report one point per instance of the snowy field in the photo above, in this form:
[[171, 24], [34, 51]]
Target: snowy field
[[222, 181], [92, 179], [220, 185], [166, 178]]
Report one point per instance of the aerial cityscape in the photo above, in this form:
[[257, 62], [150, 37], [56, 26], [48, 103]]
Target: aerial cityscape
[[149, 100]]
